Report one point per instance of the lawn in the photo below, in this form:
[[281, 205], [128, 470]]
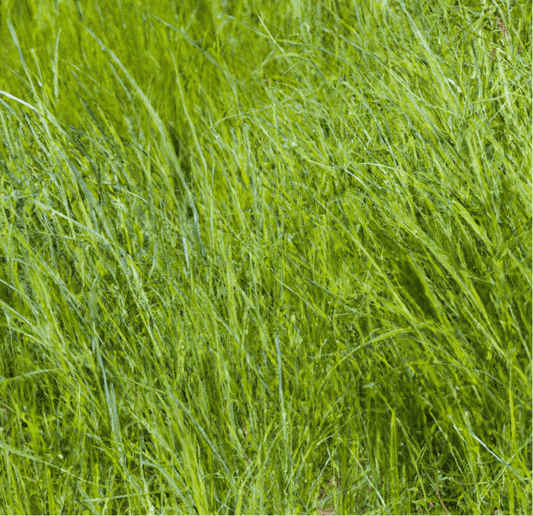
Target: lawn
[[265, 257]]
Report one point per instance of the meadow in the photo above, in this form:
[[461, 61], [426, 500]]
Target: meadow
[[264, 257]]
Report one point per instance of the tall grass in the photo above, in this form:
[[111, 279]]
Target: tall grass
[[265, 257]]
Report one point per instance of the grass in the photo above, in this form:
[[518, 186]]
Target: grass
[[265, 257]]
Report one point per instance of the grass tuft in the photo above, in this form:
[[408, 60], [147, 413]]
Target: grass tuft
[[265, 257]]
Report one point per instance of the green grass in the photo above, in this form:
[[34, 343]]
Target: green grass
[[265, 257]]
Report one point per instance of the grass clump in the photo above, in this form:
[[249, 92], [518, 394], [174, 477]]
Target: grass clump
[[264, 257]]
